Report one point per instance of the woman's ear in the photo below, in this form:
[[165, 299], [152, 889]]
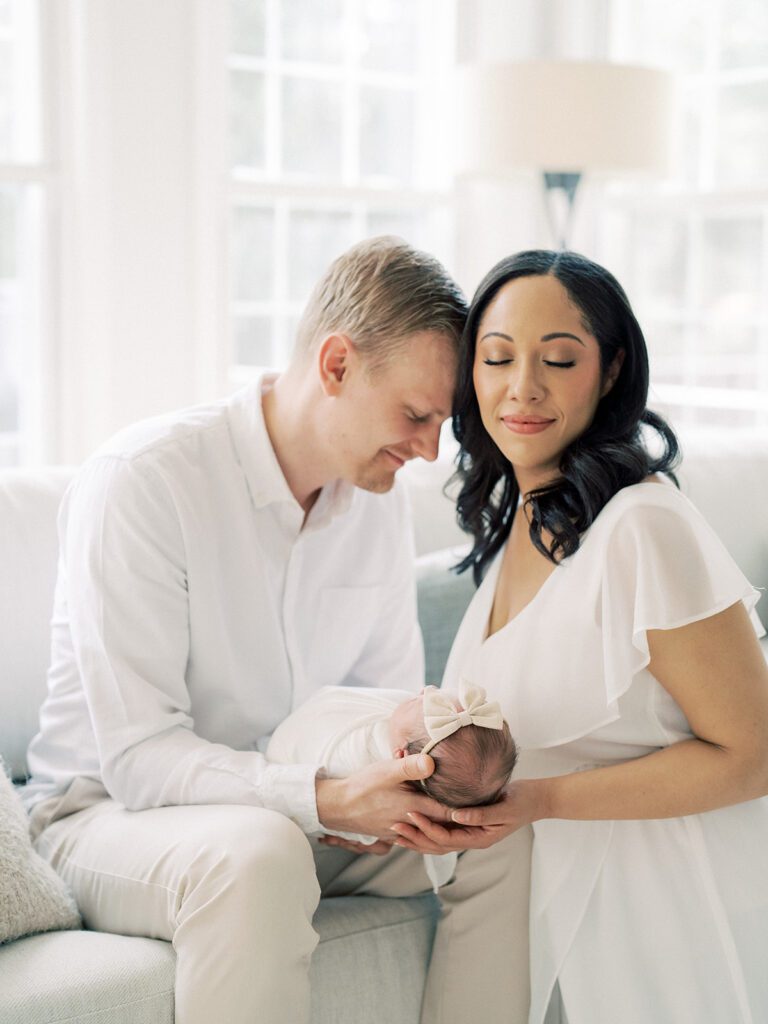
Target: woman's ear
[[613, 372]]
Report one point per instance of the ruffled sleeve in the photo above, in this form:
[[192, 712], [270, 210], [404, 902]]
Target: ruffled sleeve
[[664, 567]]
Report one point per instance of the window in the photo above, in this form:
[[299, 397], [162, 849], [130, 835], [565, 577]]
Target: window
[[694, 252], [24, 185], [334, 137]]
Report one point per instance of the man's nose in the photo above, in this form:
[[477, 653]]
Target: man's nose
[[428, 441]]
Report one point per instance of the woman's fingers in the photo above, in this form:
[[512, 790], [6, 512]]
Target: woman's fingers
[[432, 829], [475, 816], [427, 836], [431, 808], [411, 838]]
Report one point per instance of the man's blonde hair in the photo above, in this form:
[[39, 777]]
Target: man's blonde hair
[[378, 293]]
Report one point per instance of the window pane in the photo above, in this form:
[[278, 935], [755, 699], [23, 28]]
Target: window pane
[[9, 451], [742, 146], [666, 351], [249, 27], [315, 237], [391, 34], [253, 340], [312, 30], [386, 133], [19, 82], [660, 254], [745, 34], [9, 302], [731, 252], [312, 127], [394, 222], [686, 145], [20, 229], [672, 35], [734, 344], [729, 419], [252, 253], [248, 119], [6, 91]]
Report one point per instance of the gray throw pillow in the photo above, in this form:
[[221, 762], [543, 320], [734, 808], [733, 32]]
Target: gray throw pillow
[[32, 896]]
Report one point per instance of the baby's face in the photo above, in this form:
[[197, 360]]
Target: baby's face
[[406, 722]]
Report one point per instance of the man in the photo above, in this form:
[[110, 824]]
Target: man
[[218, 566]]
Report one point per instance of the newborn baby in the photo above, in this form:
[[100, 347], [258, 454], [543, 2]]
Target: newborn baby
[[345, 728]]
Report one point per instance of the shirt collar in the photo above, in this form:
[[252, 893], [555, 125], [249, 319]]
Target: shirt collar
[[257, 457]]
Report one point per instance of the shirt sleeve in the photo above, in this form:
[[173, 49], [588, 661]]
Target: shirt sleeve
[[123, 553], [393, 654], [664, 568]]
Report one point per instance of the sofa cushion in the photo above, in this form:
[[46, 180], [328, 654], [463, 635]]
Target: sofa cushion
[[443, 598], [29, 500], [32, 896], [88, 977], [365, 942]]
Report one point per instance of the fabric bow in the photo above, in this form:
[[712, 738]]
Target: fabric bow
[[442, 717]]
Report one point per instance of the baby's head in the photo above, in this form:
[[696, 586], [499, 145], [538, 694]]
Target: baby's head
[[472, 763]]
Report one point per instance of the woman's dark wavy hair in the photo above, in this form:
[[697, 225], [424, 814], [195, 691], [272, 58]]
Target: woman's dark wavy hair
[[609, 455]]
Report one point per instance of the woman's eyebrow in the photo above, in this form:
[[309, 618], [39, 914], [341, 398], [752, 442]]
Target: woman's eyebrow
[[497, 334], [562, 334], [545, 337]]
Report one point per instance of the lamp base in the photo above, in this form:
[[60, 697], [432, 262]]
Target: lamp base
[[559, 197]]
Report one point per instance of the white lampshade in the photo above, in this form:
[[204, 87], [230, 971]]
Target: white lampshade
[[562, 116]]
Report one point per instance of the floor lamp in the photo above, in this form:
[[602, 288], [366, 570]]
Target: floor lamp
[[564, 118]]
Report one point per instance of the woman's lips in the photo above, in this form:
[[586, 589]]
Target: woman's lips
[[526, 424]]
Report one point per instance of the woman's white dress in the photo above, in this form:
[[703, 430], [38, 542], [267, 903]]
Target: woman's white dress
[[640, 922]]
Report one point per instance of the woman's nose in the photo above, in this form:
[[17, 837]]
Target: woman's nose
[[524, 383]]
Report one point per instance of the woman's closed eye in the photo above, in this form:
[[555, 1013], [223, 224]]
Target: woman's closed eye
[[547, 362]]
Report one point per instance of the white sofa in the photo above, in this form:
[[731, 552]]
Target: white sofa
[[370, 965]]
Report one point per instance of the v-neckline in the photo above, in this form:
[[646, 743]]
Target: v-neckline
[[493, 581]]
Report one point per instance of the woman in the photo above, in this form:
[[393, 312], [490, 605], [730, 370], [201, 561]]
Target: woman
[[615, 631]]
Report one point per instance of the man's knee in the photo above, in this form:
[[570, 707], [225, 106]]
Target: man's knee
[[260, 857]]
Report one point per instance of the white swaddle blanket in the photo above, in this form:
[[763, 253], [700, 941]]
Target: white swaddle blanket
[[344, 729]]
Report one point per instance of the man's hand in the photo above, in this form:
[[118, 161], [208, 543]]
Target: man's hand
[[381, 847], [375, 799]]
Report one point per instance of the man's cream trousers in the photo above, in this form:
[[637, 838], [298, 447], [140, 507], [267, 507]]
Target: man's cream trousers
[[234, 888]]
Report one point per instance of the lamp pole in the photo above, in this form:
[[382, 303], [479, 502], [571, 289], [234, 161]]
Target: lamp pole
[[558, 184]]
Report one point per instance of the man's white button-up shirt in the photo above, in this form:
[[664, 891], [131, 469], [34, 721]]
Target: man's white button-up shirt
[[195, 609]]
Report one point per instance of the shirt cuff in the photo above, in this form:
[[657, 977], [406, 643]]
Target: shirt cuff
[[290, 789]]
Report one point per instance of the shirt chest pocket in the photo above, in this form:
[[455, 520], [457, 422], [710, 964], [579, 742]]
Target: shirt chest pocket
[[346, 618]]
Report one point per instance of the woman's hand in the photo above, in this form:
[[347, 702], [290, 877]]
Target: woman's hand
[[476, 828]]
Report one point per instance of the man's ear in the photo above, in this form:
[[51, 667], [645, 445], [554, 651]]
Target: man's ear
[[334, 359], [613, 372]]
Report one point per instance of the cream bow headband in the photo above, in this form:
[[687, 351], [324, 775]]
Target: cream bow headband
[[442, 718]]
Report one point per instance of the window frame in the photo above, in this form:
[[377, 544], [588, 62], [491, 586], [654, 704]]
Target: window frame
[[34, 439], [351, 193]]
